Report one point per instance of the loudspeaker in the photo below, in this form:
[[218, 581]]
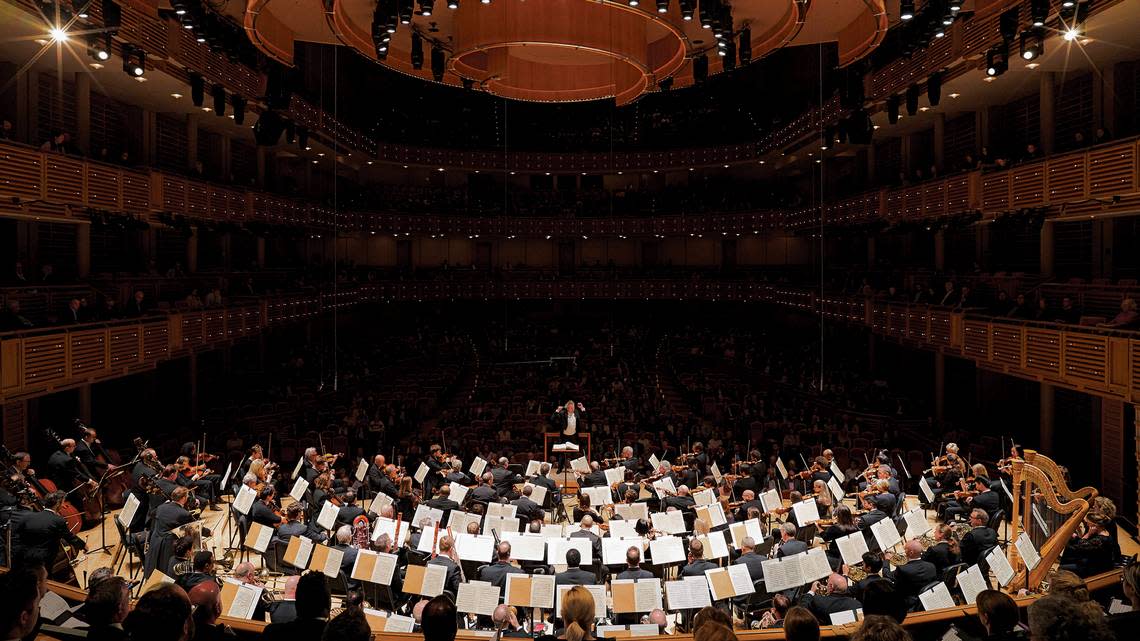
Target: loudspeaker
[[934, 88], [219, 94], [268, 129], [892, 109], [197, 89], [912, 100]]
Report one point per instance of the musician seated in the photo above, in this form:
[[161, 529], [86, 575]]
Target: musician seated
[[584, 509], [505, 480], [979, 539], [496, 573], [788, 544], [944, 552], [574, 575], [822, 498], [505, 621], [914, 575], [585, 531], [875, 512], [485, 492], [201, 571], [998, 614], [596, 477], [748, 502], [65, 469], [697, 563], [447, 558], [246, 573], [633, 569], [263, 510], [681, 500], [844, 525], [38, 536], [750, 558], [526, 508], [344, 544], [197, 478], [19, 612], [456, 474], [377, 479], [774, 616], [542, 479], [207, 601], [285, 609], [823, 600], [442, 502], [985, 499], [349, 509], [1093, 551], [873, 569]]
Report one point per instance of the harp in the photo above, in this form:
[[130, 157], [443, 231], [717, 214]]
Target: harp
[[1046, 509]]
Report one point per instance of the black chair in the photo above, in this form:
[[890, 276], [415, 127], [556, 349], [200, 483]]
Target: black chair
[[995, 523], [926, 587]]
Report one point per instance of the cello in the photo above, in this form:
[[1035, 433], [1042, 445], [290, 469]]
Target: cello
[[116, 482], [43, 487], [91, 500]]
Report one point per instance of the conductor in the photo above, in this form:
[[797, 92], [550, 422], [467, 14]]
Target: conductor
[[569, 420]]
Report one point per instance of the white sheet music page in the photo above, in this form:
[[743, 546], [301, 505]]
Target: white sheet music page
[[655, 462], [715, 471], [614, 549], [541, 591], [478, 466], [361, 470], [838, 474], [297, 467], [556, 549], [770, 501], [526, 547], [886, 533], [840, 618], [538, 494], [599, 495], [715, 546], [1000, 566], [623, 529], [477, 598], [632, 511], [713, 514], [327, 517], [751, 528], [580, 465], [1026, 549], [388, 526], [127, 514], [668, 522], [666, 549], [474, 547], [704, 497], [425, 512], [299, 488], [971, 582], [244, 500], [435, 576], [814, 565], [852, 547], [936, 598], [916, 523], [835, 488], [690, 593], [806, 511], [927, 493], [647, 594], [615, 475], [421, 473], [501, 509], [332, 563], [664, 487], [780, 466], [457, 492], [782, 574], [500, 524], [741, 580]]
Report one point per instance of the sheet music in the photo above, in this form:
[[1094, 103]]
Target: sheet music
[[429, 540], [780, 466], [916, 524], [806, 511], [713, 514], [245, 601], [53, 606], [533, 468], [527, 547], [556, 549], [646, 594], [299, 489], [690, 593], [399, 623], [258, 537], [538, 494], [457, 520], [539, 590], [927, 493], [771, 501], [715, 547], [327, 517], [1116, 606], [715, 471], [783, 574], [374, 567], [425, 512], [599, 495], [303, 549], [475, 547], [971, 582], [244, 499], [297, 468], [555, 530], [664, 487], [457, 492], [728, 582], [838, 474], [333, 558], [615, 475], [704, 497], [127, 514], [580, 464], [632, 511], [844, 617], [1027, 551], [596, 591], [751, 528], [836, 489], [614, 549], [936, 598], [852, 547], [886, 533], [655, 462], [1000, 566], [668, 522], [502, 510], [623, 529], [477, 598], [500, 524], [388, 526], [421, 473], [609, 631], [226, 477], [381, 501], [361, 470], [478, 466], [814, 565], [667, 549]]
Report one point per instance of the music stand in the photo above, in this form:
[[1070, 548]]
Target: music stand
[[560, 508], [107, 476]]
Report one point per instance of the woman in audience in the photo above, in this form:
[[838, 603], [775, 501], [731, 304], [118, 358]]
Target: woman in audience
[[1124, 624], [577, 614], [800, 625], [714, 632], [1071, 586], [1057, 618], [998, 614], [880, 628]]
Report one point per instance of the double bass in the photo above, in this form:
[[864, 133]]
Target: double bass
[[41, 488], [117, 483], [90, 498]]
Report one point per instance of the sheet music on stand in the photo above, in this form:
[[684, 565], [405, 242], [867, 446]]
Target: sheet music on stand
[[615, 475], [715, 546], [457, 520], [770, 501], [380, 501], [474, 547], [632, 511], [477, 597], [1000, 566], [374, 567], [526, 547], [327, 516], [596, 591], [738, 531], [836, 489], [806, 511], [852, 547], [383, 622], [667, 549], [668, 522], [654, 462], [127, 514], [614, 549], [664, 487], [635, 595], [502, 510], [457, 492], [361, 470], [836, 472], [713, 514], [846, 616], [690, 593], [936, 598], [725, 583], [258, 537], [780, 466], [421, 473], [226, 477], [425, 512], [916, 523], [326, 560], [1027, 550], [556, 549], [239, 600], [704, 497], [388, 526], [971, 581], [886, 534], [530, 591], [425, 580], [298, 551], [599, 495], [580, 465], [501, 524], [623, 529], [715, 471], [538, 494], [924, 486], [244, 499], [297, 468], [478, 466], [300, 486]]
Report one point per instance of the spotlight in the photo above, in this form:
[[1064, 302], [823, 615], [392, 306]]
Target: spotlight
[[686, 9], [219, 94], [997, 61], [426, 7], [99, 46], [892, 109], [417, 51], [404, 10], [955, 6], [134, 61], [934, 88], [633, 3], [662, 6], [112, 16], [1072, 33], [1032, 44], [238, 103], [58, 35], [1007, 25], [729, 54], [452, 4], [906, 10], [706, 16], [437, 62], [83, 9], [745, 46], [1038, 12], [197, 89], [700, 69], [912, 100], [1068, 4]]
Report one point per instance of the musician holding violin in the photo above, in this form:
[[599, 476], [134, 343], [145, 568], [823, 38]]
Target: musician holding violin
[[200, 478], [265, 510]]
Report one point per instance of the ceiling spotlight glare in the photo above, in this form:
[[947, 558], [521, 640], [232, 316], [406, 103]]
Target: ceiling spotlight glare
[[722, 43], [662, 6], [1072, 33], [1038, 12], [948, 19], [1068, 4], [452, 4], [485, 1], [686, 9], [426, 7], [1032, 45], [99, 46], [82, 9], [940, 33], [997, 62], [633, 3], [955, 5], [906, 10], [417, 55], [405, 10], [134, 61], [58, 34]]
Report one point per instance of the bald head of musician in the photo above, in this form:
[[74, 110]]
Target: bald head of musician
[[67, 445], [207, 601], [388, 512], [837, 583], [594, 467], [657, 618], [344, 534], [683, 490], [246, 573], [544, 469], [503, 462], [633, 557], [747, 495], [913, 549], [149, 455], [291, 587], [378, 461], [503, 551], [587, 522], [505, 617], [444, 491], [828, 456]]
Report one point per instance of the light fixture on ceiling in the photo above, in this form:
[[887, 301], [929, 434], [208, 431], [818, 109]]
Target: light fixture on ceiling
[[1032, 44], [906, 10]]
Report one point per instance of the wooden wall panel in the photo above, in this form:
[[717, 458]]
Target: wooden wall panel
[[1112, 450]]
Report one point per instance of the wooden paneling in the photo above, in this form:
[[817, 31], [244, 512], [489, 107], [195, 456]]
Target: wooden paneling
[[1112, 449], [16, 425]]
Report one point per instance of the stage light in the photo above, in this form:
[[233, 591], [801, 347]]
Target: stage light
[[662, 6], [83, 10], [729, 54], [955, 6], [1068, 4], [404, 11], [1032, 45], [1007, 25], [99, 46], [633, 3], [745, 46], [686, 9], [452, 4], [238, 103], [179, 6], [426, 7], [134, 61], [219, 94], [997, 61], [706, 14], [417, 51], [700, 68], [1072, 33], [197, 89], [58, 35], [906, 10], [1038, 12]]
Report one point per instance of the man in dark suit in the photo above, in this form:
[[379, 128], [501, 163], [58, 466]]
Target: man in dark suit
[[202, 570], [285, 610], [543, 480], [978, 540], [940, 553], [749, 558], [446, 545], [349, 510], [526, 508], [375, 476], [497, 572], [748, 502], [85, 453], [876, 512], [873, 566], [344, 544], [837, 600], [584, 532], [633, 568], [569, 420], [261, 511], [697, 563], [37, 535], [505, 480], [64, 468], [914, 575], [107, 605], [313, 604], [485, 492], [788, 543], [596, 477], [456, 473], [443, 502], [986, 499], [574, 575], [681, 500], [167, 517]]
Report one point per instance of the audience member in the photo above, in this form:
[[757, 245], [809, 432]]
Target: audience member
[[313, 604], [997, 613], [1057, 618], [161, 613], [439, 618], [880, 628], [800, 625]]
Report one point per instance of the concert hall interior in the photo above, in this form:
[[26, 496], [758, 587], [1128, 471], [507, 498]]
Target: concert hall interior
[[436, 319]]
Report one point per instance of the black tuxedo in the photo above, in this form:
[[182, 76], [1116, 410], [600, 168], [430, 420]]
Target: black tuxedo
[[860, 587], [168, 516], [741, 514], [504, 481], [38, 535], [596, 545], [574, 576], [988, 501], [483, 494], [679, 502], [824, 606], [86, 457], [634, 573], [283, 612], [975, 542], [596, 478], [374, 479], [451, 584], [527, 509], [347, 513], [790, 547], [497, 572], [753, 561], [558, 421], [263, 514], [697, 568], [440, 503], [940, 555], [913, 576], [65, 470]]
